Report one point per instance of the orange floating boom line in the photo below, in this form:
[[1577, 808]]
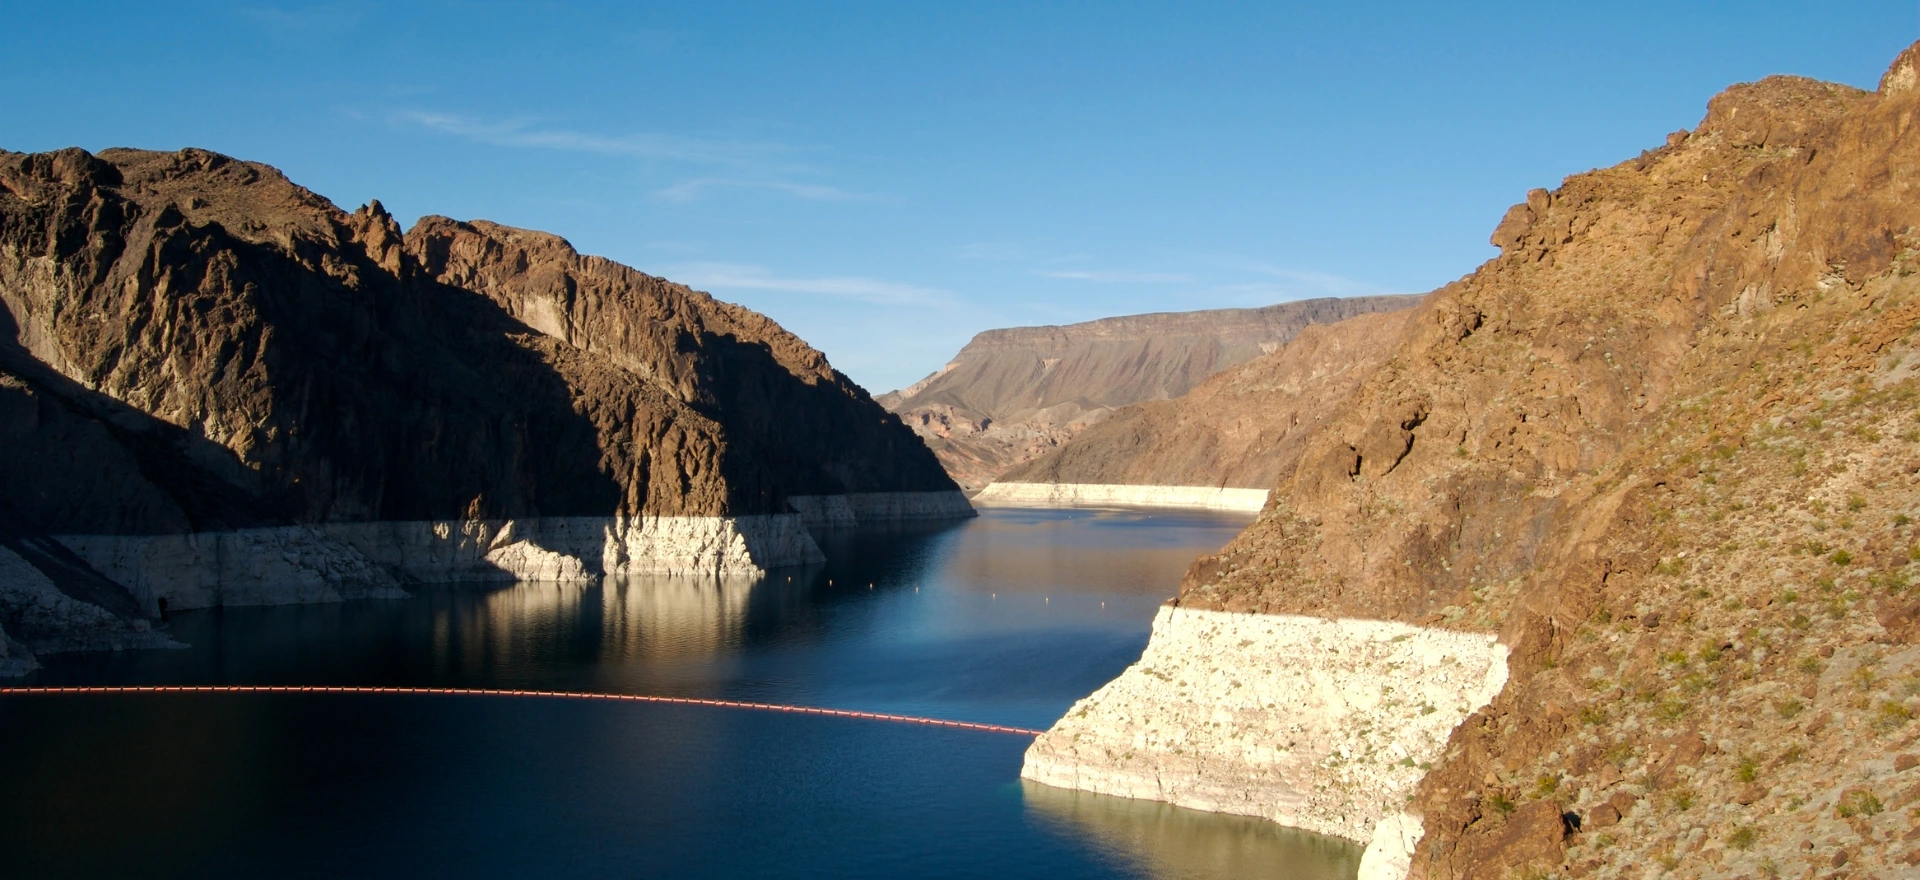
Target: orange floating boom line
[[487, 692]]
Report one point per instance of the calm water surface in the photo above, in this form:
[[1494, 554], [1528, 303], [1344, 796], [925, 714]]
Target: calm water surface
[[1005, 619]]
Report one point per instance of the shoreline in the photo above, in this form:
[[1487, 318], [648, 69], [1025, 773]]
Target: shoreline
[[329, 562], [1322, 725], [335, 562], [1120, 495]]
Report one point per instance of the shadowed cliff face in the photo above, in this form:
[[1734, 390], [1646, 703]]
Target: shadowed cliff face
[[1664, 444], [233, 350], [1013, 395]]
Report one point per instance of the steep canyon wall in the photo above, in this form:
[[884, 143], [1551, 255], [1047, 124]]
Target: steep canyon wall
[[1660, 451], [217, 387]]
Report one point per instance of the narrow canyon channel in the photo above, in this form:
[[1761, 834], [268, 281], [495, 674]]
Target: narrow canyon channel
[[1006, 619]]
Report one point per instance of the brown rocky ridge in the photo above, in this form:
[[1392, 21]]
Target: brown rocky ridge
[[1667, 445], [191, 343], [1013, 395], [1242, 428]]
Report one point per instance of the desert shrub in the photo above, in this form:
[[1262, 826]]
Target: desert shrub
[[1892, 716], [1858, 802]]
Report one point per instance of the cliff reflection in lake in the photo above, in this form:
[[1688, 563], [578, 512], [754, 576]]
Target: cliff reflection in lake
[[1174, 843], [1007, 619]]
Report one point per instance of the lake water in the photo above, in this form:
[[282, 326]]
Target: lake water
[[1006, 619]]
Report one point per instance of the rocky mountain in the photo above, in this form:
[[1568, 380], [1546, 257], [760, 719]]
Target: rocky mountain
[[202, 362], [1242, 428], [1661, 454], [1013, 395]]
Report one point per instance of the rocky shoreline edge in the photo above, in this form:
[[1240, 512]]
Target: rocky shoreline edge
[[1326, 725], [1113, 495], [333, 562]]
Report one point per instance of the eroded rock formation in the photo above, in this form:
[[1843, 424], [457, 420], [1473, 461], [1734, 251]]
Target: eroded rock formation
[[215, 386], [1663, 446]]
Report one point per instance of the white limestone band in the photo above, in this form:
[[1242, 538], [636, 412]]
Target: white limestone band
[[330, 562], [1325, 725], [1115, 495]]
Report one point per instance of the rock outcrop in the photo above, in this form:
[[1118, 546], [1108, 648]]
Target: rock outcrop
[[1663, 448], [1013, 395], [1225, 712], [217, 387]]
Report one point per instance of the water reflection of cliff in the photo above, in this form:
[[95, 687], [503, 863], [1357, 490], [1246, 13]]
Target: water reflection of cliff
[[621, 618], [1171, 843], [669, 617]]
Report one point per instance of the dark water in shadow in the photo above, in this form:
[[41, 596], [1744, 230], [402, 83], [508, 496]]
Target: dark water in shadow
[[1006, 619]]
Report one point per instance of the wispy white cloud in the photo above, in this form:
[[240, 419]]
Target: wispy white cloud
[[691, 190], [747, 165], [734, 276], [645, 145], [1119, 277]]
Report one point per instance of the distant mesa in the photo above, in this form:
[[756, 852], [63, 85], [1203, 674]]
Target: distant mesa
[[218, 388], [1013, 396], [1221, 445]]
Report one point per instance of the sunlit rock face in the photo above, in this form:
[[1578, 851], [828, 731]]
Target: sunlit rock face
[[1662, 445], [1324, 725]]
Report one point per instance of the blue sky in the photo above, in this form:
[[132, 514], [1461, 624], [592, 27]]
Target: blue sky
[[887, 179]]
